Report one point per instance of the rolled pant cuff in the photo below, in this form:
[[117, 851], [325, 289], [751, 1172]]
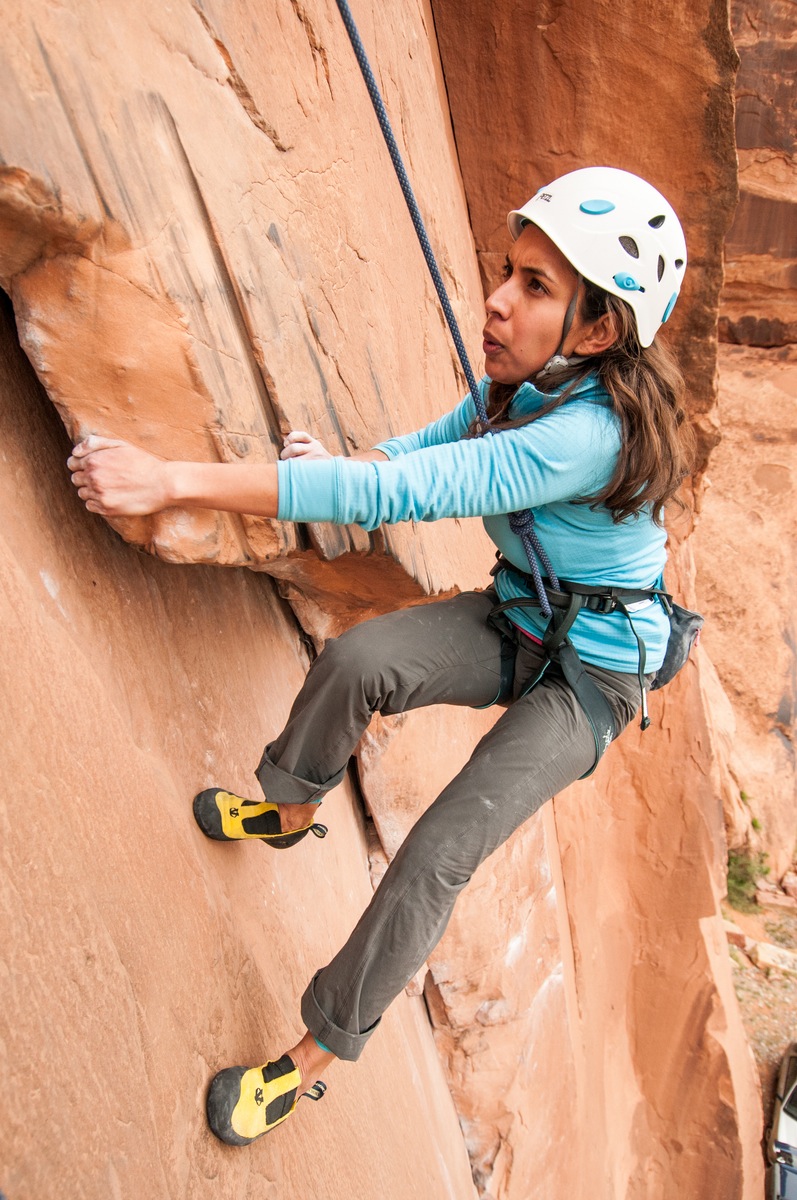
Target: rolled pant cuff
[[348, 1046], [280, 787]]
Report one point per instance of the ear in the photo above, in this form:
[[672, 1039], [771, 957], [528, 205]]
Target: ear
[[595, 338]]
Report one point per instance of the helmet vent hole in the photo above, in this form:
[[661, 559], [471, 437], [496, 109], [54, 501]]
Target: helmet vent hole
[[630, 246], [679, 262], [660, 268], [656, 222]]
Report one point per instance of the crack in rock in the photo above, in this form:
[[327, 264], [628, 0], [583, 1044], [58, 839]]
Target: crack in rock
[[242, 93]]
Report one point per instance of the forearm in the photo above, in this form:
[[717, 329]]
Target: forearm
[[229, 487], [117, 479], [234, 487]]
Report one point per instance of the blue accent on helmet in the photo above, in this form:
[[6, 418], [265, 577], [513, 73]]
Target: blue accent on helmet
[[596, 208], [669, 308], [627, 282]]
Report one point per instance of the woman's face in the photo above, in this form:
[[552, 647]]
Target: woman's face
[[525, 314]]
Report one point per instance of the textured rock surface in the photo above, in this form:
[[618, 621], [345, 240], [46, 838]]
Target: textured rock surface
[[205, 246], [759, 301], [137, 957], [744, 546]]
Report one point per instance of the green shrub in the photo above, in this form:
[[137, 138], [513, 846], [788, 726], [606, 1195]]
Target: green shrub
[[744, 869]]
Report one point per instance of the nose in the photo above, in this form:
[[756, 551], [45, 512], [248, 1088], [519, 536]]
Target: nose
[[498, 302]]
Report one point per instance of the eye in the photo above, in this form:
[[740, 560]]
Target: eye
[[536, 285], [506, 270]]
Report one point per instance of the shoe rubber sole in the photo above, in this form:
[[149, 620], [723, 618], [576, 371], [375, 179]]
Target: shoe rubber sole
[[209, 819], [251, 1097]]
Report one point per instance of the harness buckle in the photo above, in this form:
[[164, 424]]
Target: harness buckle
[[605, 604]]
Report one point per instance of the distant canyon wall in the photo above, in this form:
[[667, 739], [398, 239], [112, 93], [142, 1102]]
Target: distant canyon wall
[[759, 300], [747, 528]]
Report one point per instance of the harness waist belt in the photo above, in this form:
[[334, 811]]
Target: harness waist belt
[[601, 598], [569, 602]]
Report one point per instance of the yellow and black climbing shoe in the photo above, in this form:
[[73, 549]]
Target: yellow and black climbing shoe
[[246, 1102], [229, 818]]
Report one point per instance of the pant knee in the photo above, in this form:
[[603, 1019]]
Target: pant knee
[[354, 661], [351, 650], [442, 865]]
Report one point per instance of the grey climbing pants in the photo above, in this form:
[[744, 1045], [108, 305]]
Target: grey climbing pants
[[438, 653]]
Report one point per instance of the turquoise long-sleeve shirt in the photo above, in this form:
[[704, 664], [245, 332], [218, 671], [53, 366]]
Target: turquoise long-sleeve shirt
[[543, 466]]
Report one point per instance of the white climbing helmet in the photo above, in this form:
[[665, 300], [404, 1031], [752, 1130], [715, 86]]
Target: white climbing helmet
[[618, 232]]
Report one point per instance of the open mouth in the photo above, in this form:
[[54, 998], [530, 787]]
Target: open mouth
[[490, 345]]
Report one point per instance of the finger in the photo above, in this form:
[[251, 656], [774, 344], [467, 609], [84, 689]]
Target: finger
[[85, 446], [95, 442]]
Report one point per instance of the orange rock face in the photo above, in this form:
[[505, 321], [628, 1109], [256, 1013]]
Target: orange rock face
[[759, 300], [139, 958], [744, 546], [205, 247]]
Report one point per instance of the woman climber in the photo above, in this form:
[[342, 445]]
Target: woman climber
[[579, 420]]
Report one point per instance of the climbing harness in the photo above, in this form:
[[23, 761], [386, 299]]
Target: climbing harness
[[567, 601], [656, 251]]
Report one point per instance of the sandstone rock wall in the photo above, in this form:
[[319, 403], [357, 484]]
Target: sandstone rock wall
[[744, 546], [205, 247], [759, 302], [138, 958], [746, 535]]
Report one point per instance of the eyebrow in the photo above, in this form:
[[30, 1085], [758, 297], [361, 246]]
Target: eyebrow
[[530, 270]]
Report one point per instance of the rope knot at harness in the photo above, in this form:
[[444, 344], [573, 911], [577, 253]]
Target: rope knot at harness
[[522, 525]]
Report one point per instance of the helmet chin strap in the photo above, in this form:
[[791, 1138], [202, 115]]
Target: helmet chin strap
[[557, 361]]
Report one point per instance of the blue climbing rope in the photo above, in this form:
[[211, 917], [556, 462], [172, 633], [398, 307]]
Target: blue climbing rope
[[521, 523], [412, 205]]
